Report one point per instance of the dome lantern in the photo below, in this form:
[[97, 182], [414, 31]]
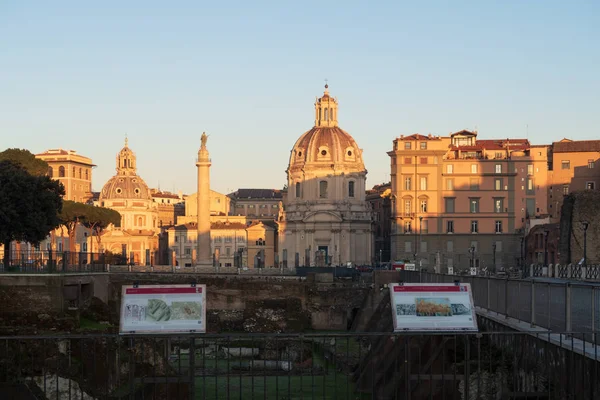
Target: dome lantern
[[126, 160], [326, 110]]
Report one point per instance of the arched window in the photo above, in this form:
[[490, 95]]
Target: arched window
[[50, 172], [351, 189], [140, 221], [79, 173], [61, 172], [87, 175], [323, 189], [73, 174], [326, 114], [298, 190]]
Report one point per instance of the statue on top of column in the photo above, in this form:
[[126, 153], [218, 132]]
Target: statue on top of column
[[203, 140]]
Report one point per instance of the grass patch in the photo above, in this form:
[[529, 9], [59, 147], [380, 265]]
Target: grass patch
[[88, 324]]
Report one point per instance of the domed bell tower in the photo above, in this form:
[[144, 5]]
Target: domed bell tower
[[126, 161], [326, 110]]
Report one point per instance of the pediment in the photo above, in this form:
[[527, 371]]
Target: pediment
[[322, 216]]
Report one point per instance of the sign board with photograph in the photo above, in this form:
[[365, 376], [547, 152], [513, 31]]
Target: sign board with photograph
[[163, 309], [432, 307]]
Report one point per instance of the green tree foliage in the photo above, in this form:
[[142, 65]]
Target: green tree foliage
[[98, 219], [94, 218], [72, 214], [29, 205], [27, 160]]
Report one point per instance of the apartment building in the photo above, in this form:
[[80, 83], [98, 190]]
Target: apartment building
[[575, 166], [73, 170], [458, 201], [257, 203], [379, 199]]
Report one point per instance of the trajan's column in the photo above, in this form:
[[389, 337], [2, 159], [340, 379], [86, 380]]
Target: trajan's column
[[204, 256]]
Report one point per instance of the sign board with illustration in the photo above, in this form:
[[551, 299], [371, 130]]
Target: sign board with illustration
[[163, 309], [432, 307]]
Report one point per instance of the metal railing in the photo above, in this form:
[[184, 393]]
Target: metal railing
[[296, 366], [45, 261], [556, 306]]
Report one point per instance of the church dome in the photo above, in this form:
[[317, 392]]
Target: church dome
[[126, 184], [326, 144]]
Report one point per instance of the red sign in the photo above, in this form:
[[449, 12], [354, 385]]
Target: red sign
[[185, 290], [452, 288]]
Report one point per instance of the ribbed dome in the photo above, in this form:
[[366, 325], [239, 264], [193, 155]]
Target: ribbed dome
[[326, 146], [126, 184], [125, 187]]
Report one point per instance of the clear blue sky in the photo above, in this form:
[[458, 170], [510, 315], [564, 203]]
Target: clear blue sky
[[82, 75]]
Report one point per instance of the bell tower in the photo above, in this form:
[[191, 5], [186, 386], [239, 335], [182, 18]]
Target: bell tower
[[126, 161], [326, 110]]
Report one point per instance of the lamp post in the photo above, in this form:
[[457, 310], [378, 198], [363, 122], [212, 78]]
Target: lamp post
[[472, 250], [494, 256], [420, 232], [546, 232], [585, 227]]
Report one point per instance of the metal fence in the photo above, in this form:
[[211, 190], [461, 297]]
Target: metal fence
[[310, 366], [45, 261], [557, 306]]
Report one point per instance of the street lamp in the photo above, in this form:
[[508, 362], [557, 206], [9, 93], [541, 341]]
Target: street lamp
[[494, 256], [472, 251], [585, 227], [546, 232]]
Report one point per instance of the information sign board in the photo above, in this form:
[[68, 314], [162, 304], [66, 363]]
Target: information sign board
[[432, 307], [163, 309]]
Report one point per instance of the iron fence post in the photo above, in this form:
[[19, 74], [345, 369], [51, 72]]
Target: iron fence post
[[488, 293], [506, 298], [192, 371], [568, 307], [532, 319]]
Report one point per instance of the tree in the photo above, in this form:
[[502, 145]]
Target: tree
[[71, 215], [99, 218], [27, 160], [29, 205]]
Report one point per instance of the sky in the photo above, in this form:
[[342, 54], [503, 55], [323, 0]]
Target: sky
[[84, 75]]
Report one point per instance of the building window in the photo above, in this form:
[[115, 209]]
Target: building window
[[449, 246], [565, 165], [449, 204], [530, 188], [298, 190], [498, 155], [61, 172], [474, 227], [498, 205], [406, 145], [450, 226], [423, 247], [590, 164], [407, 160], [590, 185], [407, 183], [423, 145], [474, 184], [498, 184], [407, 227], [530, 169], [473, 168], [565, 189], [498, 168], [424, 226], [449, 169], [351, 189], [450, 184], [423, 160], [323, 189], [407, 247], [423, 206], [73, 174], [423, 182], [498, 226], [474, 206], [407, 207], [87, 175]]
